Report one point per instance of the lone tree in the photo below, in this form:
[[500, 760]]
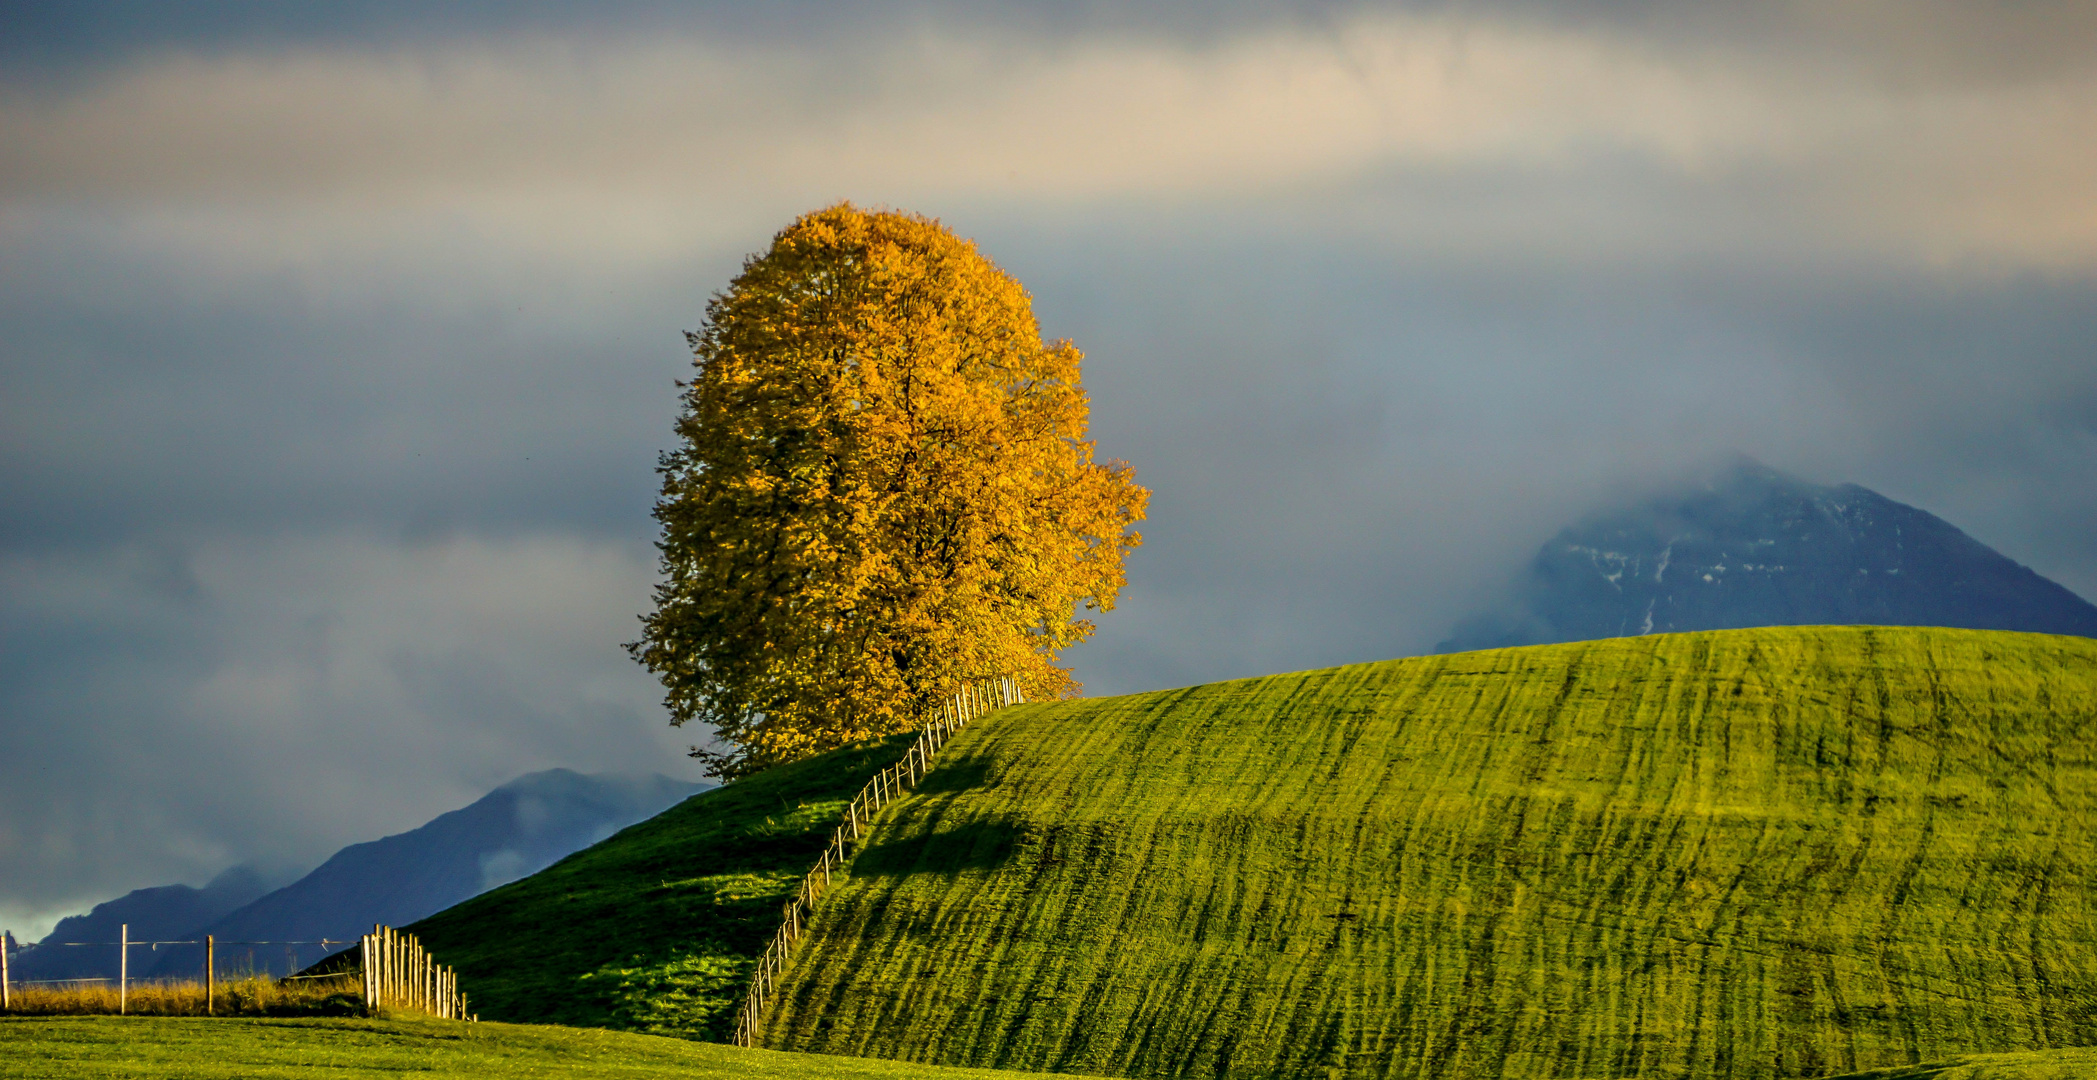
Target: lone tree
[[884, 491]]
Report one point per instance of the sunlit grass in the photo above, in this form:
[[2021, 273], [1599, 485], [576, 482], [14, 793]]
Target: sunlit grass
[[123, 1048], [1738, 855]]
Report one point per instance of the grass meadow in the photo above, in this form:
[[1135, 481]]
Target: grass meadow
[[111, 1047], [124, 1048], [1743, 854]]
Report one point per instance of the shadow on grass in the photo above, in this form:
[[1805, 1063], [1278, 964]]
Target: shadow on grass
[[978, 845], [959, 774]]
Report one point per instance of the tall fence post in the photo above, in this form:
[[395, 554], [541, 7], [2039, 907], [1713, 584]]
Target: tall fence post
[[123, 969], [6, 995], [210, 974], [399, 973]]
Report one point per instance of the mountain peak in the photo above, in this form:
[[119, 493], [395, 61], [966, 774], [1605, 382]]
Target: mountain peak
[[1747, 545]]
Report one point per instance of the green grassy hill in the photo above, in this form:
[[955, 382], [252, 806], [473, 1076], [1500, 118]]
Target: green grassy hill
[[655, 929], [1762, 853]]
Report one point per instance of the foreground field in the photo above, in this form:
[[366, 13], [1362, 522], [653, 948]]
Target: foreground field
[[109, 1047], [1743, 854]]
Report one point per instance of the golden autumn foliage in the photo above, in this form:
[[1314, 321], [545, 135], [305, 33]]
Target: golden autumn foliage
[[884, 491]]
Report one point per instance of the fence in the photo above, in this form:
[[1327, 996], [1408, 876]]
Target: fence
[[400, 974], [973, 701], [124, 944], [395, 970]]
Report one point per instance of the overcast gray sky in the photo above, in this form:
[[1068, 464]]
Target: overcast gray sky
[[336, 345]]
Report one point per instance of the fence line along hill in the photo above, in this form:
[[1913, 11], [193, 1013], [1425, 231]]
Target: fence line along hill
[[888, 785], [1735, 854], [658, 928]]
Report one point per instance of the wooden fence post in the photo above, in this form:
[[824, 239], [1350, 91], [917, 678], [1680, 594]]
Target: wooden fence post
[[124, 970], [399, 973], [6, 993], [210, 974]]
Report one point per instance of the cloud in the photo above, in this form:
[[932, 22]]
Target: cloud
[[627, 148], [272, 698]]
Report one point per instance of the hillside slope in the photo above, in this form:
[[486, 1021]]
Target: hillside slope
[[1739, 854], [654, 930]]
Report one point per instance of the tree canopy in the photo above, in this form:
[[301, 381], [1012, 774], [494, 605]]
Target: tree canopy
[[884, 489]]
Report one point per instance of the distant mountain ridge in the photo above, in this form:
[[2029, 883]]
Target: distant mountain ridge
[[516, 830], [1752, 546], [161, 913], [513, 831]]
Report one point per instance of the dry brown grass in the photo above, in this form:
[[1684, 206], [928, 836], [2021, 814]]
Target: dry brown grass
[[254, 995]]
